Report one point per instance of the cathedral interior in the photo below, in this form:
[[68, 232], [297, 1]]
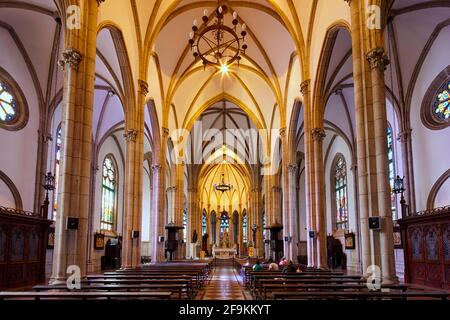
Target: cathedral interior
[[224, 150]]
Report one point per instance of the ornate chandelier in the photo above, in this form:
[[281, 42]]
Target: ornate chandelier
[[223, 187], [216, 44]]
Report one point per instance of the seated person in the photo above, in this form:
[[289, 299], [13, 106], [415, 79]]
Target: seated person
[[283, 262], [289, 267], [257, 266], [272, 265]]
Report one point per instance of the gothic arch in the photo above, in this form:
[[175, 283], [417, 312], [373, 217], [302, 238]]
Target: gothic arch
[[12, 187]]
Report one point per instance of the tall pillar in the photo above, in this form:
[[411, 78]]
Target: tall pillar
[[158, 201], [179, 206], [378, 61], [293, 200], [361, 142], [318, 135], [309, 173], [131, 256], [193, 220], [406, 146], [78, 62], [285, 209]]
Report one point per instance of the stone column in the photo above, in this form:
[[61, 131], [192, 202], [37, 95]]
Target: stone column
[[158, 201], [318, 135], [285, 209], [134, 137], [309, 173], [361, 142], [406, 151], [292, 198], [179, 206], [193, 221], [378, 61], [78, 62]]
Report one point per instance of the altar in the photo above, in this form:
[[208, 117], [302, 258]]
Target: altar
[[224, 249], [224, 253]]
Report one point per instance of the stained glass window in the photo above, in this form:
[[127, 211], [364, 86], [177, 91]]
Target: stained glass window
[[204, 222], [57, 163], [224, 222], [442, 102], [264, 223], [185, 224], [244, 226], [340, 179], [109, 192], [8, 106], [390, 143]]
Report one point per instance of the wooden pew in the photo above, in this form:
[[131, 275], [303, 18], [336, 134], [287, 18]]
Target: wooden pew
[[363, 295], [191, 292], [255, 278], [256, 291], [273, 287], [160, 295], [174, 288]]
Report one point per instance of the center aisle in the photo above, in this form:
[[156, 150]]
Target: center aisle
[[223, 285]]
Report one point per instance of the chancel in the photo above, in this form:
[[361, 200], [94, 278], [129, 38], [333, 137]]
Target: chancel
[[224, 150]]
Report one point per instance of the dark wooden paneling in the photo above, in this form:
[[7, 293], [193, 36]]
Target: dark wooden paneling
[[427, 252], [23, 243]]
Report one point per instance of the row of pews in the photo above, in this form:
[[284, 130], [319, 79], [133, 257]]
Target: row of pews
[[317, 284], [164, 281]]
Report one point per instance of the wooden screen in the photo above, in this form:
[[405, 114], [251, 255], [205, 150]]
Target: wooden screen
[[426, 236], [23, 243]]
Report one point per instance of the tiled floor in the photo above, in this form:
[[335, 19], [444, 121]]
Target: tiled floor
[[224, 284]]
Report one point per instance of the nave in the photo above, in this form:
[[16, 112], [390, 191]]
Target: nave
[[135, 152]]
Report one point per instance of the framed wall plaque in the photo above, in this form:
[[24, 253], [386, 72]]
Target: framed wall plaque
[[99, 241], [350, 241]]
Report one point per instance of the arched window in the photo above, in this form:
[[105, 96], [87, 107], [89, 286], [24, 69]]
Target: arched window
[[8, 105], [435, 110], [244, 226], [109, 194], [203, 222], [390, 142], [442, 102], [57, 163], [185, 224], [264, 222], [224, 222], [340, 183], [13, 107]]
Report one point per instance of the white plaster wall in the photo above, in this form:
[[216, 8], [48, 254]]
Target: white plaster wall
[[339, 146], [18, 158], [430, 147], [6, 196]]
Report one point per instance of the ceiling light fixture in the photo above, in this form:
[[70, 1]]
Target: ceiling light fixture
[[216, 44]]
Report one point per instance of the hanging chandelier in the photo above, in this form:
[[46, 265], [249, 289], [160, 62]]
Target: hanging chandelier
[[217, 44], [223, 187]]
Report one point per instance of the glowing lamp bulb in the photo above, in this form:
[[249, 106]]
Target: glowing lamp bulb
[[224, 68]]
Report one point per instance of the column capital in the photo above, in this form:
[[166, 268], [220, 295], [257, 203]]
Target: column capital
[[349, 2], [156, 168], [276, 189], [165, 131], [283, 132], [292, 168], [99, 2], [318, 134], [377, 58], [143, 86], [130, 135], [304, 87], [193, 190], [70, 57], [404, 136], [255, 190]]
